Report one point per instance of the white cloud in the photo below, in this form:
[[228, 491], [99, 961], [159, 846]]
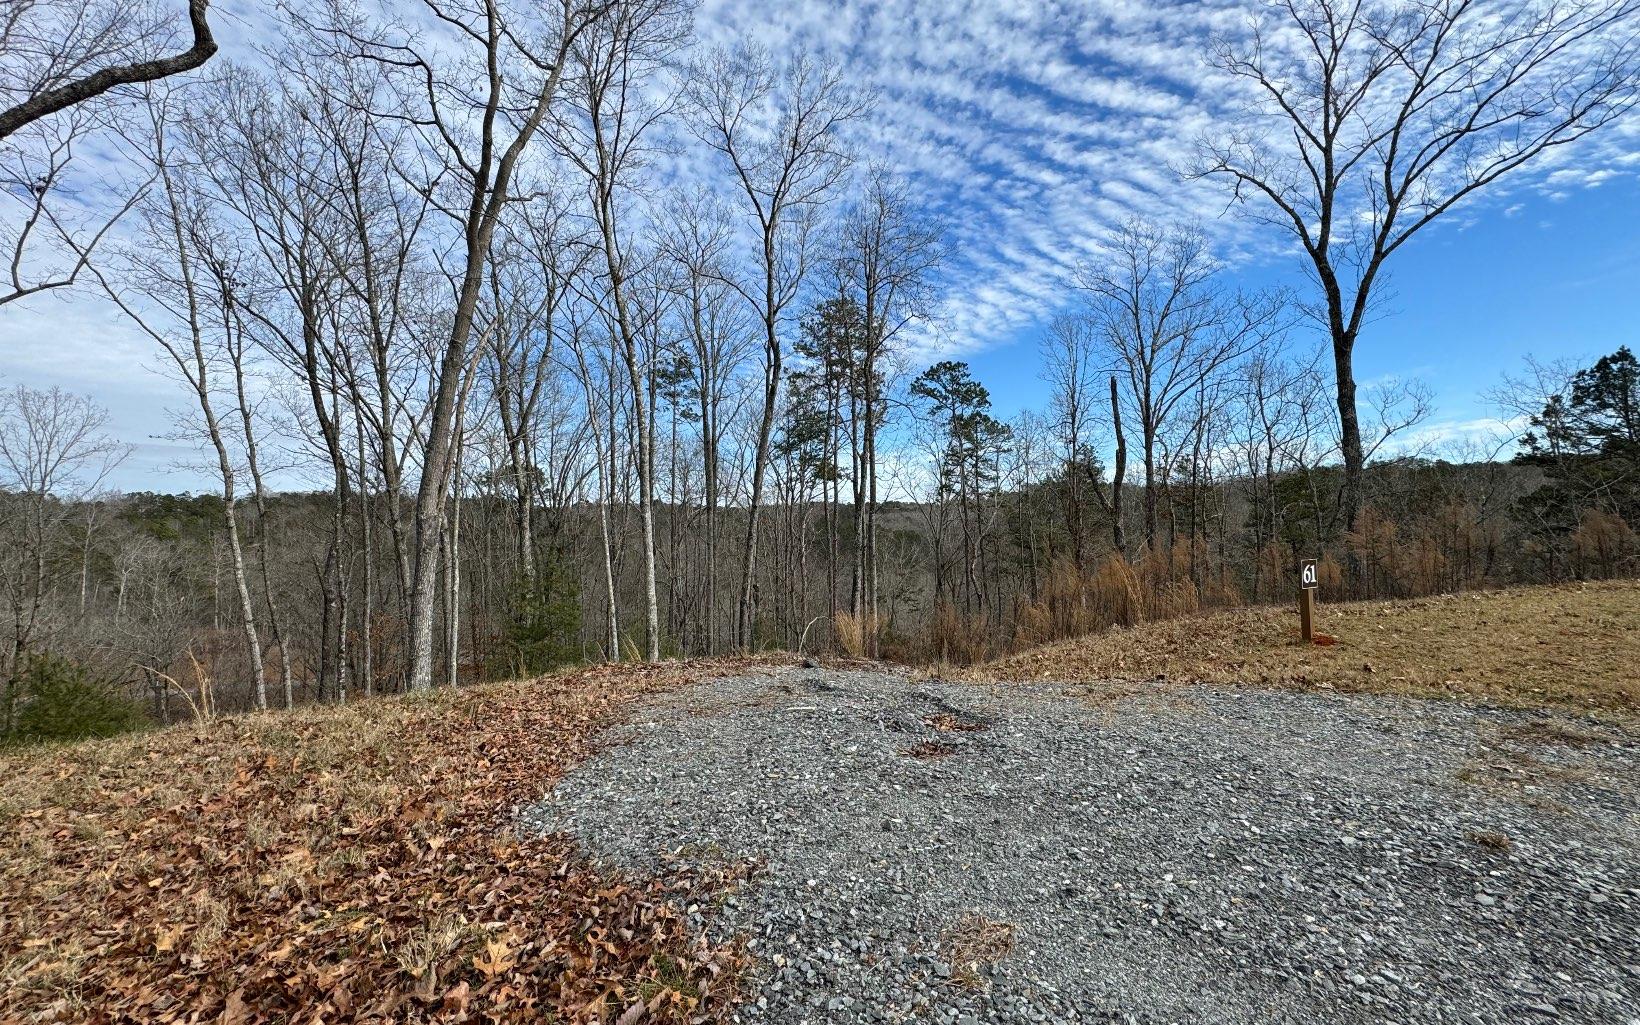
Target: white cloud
[[1033, 128], [1459, 440]]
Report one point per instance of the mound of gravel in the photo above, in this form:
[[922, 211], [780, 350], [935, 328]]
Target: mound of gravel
[[955, 854]]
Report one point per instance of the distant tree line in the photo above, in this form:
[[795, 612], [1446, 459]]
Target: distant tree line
[[553, 405], [979, 549]]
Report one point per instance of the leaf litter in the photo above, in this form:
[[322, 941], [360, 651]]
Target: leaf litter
[[339, 865]]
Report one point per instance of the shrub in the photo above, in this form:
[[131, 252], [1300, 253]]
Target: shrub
[[1602, 544], [543, 629], [60, 700], [854, 634], [953, 638]]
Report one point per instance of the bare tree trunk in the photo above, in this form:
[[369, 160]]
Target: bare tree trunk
[[452, 570], [368, 553], [709, 439], [643, 429], [259, 497], [489, 196], [746, 620], [606, 489], [191, 362], [85, 554], [1349, 435], [1118, 473], [1147, 437]]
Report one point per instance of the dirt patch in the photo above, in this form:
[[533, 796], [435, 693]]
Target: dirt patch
[[1572, 647], [1555, 732], [928, 750], [972, 944], [945, 722]]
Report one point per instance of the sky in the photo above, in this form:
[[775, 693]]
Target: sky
[[1031, 130]]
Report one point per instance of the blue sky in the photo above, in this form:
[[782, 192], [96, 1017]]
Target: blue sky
[[1551, 277], [1031, 130]]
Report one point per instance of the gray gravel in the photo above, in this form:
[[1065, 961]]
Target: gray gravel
[[1172, 855]]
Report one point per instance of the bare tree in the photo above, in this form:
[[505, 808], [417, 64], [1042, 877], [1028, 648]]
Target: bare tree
[[531, 284], [890, 253], [1166, 325], [780, 129], [1368, 120], [1118, 476], [612, 69], [601, 402], [236, 341], [264, 153], [51, 46], [477, 100], [1273, 392], [698, 244], [1069, 354], [376, 255], [54, 450], [200, 323]]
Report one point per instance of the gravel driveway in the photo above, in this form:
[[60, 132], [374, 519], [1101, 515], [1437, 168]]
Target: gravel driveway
[[951, 853]]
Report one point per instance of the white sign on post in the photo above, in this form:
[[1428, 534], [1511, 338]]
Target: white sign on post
[[1307, 575]]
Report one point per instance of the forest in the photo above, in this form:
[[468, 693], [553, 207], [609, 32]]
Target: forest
[[485, 386]]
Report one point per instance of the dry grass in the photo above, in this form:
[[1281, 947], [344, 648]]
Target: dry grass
[[928, 750], [855, 635], [972, 944], [350, 864], [1117, 592], [1573, 647], [1491, 840], [945, 722], [954, 638]]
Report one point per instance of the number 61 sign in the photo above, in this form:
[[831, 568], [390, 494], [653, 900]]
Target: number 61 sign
[[1308, 583]]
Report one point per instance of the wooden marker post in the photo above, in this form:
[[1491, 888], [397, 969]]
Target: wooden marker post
[[1307, 584]]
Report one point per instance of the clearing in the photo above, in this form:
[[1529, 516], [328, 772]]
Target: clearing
[[1573, 647], [752, 840], [926, 851]]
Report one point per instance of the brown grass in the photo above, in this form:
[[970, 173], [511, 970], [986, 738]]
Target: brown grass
[[1574, 647], [954, 638], [854, 634], [973, 943], [1492, 840], [945, 722], [1072, 603], [928, 750], [350, 864]]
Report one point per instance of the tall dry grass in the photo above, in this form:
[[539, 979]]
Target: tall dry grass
[[1116, 592], [955, 638], [1451, 547], [1604, 546], [854, 634]]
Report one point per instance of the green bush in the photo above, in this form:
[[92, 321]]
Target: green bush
[[543, 629], [58, 700]]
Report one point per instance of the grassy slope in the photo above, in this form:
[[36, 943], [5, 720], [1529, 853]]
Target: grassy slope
[[1573, 647], [351, 863]]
